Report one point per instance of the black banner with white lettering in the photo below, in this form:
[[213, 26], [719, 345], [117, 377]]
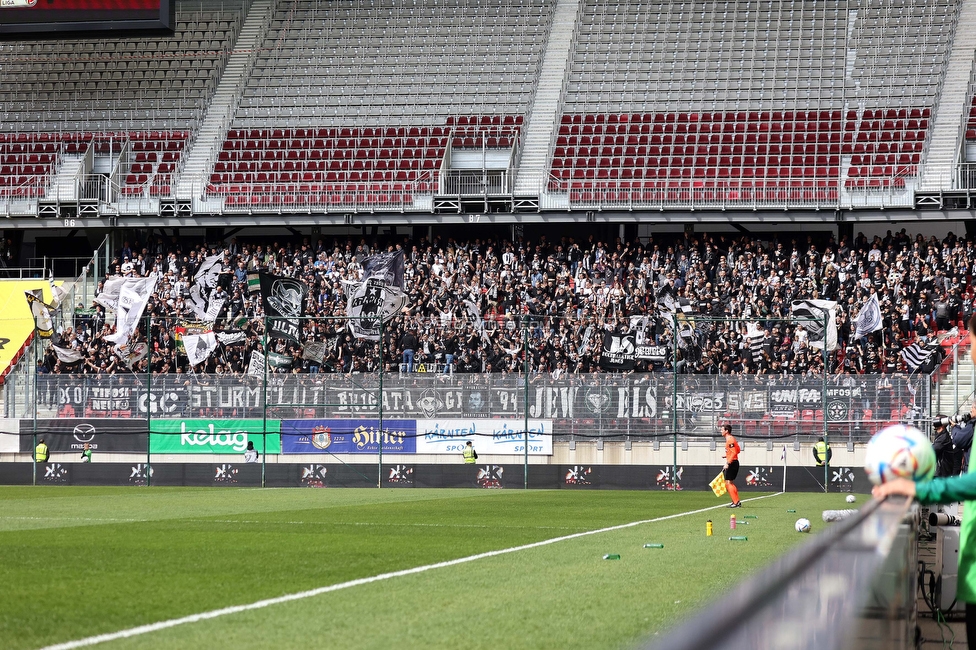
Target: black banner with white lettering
[[284, 304], [618, 352], [71, 434]]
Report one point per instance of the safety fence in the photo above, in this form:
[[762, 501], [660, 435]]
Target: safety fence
[[611, 406]]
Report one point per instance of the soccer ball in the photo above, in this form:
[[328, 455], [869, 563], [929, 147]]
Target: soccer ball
[[899, 451], [851, 498], [802, 525]]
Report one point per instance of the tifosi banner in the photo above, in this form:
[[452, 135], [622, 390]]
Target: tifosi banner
[[496, 436], [213, 436], [348, 436], [71, 434]]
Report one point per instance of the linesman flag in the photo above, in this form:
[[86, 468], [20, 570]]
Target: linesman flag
[[869, 318], [718, 484]]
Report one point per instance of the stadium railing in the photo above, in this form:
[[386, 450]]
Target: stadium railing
[[852, 586]]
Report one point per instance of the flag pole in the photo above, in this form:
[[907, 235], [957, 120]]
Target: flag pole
[[826, 315]]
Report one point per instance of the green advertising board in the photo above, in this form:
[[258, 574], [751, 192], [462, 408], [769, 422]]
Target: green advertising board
[[213, 436]]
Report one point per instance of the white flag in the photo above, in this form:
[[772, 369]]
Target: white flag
[[199, 346], [67, 355], [255, 368], [230, 338], [869, 318], [132, 302], [812, 313]]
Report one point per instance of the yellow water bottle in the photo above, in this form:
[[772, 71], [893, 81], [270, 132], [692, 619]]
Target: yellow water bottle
[[708, 528]]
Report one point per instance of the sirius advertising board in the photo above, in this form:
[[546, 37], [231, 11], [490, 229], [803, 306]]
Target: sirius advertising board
[[348, 436], [213, 436], [490, 436]]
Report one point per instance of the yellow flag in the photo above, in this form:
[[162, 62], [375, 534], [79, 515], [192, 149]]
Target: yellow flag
[[718, 484]]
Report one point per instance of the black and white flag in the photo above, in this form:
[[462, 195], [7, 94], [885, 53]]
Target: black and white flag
[[371, 303], [915, 355], [199, 346], [204, 282], [388, 266], [314, 351], [810, 315], [869, 318], [43, 321], [284, 305], [756, 337], [230, 338], [67, 355], [618, 352], [256, 366]]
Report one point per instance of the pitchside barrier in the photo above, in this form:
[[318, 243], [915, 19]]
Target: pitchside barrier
[[851, 587]]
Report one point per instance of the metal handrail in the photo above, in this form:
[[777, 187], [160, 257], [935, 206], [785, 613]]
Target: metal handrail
[[846, 558]]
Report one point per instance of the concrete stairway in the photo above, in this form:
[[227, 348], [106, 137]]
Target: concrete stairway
[[943, 150], [199, 159], [533, 168]]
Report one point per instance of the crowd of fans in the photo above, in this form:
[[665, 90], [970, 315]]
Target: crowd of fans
[[500, 306]]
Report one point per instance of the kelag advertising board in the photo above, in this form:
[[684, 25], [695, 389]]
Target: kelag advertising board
[[213, 436], [348, 436], [490, 436], [105, 435]]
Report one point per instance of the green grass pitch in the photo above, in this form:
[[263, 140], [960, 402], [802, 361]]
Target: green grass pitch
[[79, 562]]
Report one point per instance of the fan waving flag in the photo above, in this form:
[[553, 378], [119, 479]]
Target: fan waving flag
[[718, 485], [43, 322], [915, 355], [810, 315], [869, 318]]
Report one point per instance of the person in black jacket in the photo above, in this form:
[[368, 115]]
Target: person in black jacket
[[945, 451], [409, 343]]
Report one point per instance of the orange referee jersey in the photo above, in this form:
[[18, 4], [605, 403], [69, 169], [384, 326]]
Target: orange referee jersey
[[732, 449]]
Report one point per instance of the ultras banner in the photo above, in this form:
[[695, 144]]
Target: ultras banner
[[213, 436], [348, 436], [71, 434]]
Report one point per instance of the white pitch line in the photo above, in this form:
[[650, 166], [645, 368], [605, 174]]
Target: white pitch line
[[286, 523], [261, 604]]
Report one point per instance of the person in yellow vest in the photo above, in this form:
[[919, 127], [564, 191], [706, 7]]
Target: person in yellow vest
[[41, 453], [470, 455], [822, 452]]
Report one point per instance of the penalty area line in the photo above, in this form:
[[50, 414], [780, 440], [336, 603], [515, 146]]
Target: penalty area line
[[236, 609]]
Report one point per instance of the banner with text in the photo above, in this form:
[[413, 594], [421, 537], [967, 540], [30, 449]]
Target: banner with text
[[213, 436], [348, 436], [105, 435], [496, 436]]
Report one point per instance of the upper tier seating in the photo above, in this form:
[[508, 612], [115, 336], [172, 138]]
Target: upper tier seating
[[376, 167], [120, 83], [394, 62]]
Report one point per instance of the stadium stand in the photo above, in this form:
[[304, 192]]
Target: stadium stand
[[672, 104]]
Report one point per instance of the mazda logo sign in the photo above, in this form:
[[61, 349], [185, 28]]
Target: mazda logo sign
[[84, 432]]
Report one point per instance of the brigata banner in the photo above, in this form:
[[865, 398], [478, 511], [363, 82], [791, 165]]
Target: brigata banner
[[213, 436], [348, 436], [489, 436]]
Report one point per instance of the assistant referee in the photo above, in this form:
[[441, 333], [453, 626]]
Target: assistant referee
[[731, 468]]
